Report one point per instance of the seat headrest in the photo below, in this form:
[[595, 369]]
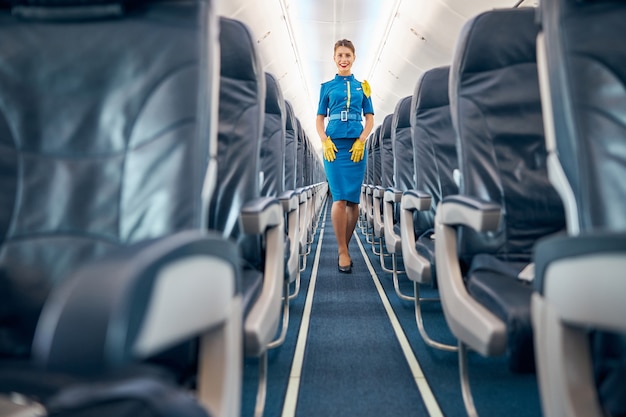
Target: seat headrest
[[239, 55], [402, 114], [274, 102], [70, 10], [487, 43], [431, 90], [290, 119], [386, 127]]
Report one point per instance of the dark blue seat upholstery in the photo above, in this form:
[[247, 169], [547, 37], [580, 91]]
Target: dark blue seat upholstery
[[291, 133], [274, 133], [578, 309], [434, 156], [403, 173], [242, 114], [237, 208], [273, 162], [108, 150], [505, 201], [435, 159], [400, 178]]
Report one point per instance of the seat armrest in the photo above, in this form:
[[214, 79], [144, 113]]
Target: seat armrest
[[289, 200], [393, 241], [583, 278], [302, 195], [392, 195], [137, 302], [415, 200], [580, 286], [417, 267], [265, 216], [261, 214], [468, 320], [480, 215], [377, 223]]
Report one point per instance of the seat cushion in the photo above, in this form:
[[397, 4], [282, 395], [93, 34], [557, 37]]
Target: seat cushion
[[494, 284], [37, 384], [425, 247], [251, 284]]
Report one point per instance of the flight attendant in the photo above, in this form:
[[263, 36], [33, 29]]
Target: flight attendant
[[345, 101]]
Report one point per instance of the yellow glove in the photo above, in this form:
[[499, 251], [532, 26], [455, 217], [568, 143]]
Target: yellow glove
[[329, 149], [357, 150]]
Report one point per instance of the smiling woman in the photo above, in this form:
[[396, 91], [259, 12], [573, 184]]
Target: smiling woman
[[345, 101]]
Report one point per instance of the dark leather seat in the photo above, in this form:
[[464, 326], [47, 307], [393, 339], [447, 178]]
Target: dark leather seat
[[402, 179], [505, 201], [237, 208], [371, 177], [578, 308], [383, 159], [108, 154], [434, 147], [273, 176], [435, 160], [291, 133]]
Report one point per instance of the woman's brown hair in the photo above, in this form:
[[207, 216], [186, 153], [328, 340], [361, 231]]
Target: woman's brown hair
[[344, 42]]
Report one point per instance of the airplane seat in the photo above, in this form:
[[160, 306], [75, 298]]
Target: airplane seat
[[401, 179], [273, 162], [374, 174], [291, 133], [273, 182], [384, 167], [367, 178], [403, 173], [435, 159], [108, 152], [578, 311], [486, 233], [237, 208], [273, 144]]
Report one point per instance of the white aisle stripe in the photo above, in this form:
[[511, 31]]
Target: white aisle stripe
[[416, 370], [291, 396]]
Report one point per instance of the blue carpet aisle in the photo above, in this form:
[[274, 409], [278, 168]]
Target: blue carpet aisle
[[496, 391], [353, 364]]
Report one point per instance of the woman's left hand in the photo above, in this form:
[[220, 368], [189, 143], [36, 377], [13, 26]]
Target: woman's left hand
[[357, 150]]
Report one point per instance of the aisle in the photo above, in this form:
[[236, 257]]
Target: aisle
[[353, 362]]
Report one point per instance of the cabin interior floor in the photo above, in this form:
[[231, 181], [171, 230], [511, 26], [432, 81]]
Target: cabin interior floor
[[353, 348]]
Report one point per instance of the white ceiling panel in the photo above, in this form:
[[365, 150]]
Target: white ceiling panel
[[395, 40]]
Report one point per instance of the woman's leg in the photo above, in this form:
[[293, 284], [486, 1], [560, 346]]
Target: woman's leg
[[352, 216], [340, 223]]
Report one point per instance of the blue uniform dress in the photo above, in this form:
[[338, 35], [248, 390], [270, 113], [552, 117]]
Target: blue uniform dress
[[343, 101]]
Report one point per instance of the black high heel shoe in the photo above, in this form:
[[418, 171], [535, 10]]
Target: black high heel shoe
[[345, 269]]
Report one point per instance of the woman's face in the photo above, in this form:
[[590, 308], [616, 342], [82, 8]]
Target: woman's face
[[344, 58]]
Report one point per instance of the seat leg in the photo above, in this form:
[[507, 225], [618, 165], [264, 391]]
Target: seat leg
[[396, 284], [468, 400], [261, 393], [296, 290], [285, 324], [420, 322], [382, 254], [302, 261]]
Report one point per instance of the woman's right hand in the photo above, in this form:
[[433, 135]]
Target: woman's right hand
[[329, 149]]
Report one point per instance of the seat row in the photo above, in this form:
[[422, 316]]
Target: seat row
[[497, 182], [149, 227]]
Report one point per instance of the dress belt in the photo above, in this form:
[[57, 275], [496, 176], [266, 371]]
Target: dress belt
[[345, 116]]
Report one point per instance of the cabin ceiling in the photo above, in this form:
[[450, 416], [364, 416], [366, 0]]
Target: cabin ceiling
[[395, 40]]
